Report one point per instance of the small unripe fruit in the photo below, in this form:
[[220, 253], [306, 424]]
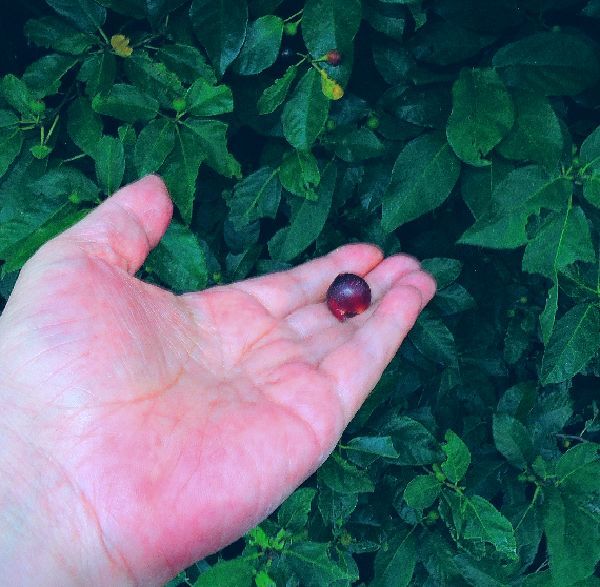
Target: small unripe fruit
[[40, 151], [37, 107], [333, 57], [290, 28], [373, 122], [178, 104], [331, 124], [348, 296], [432, 515]]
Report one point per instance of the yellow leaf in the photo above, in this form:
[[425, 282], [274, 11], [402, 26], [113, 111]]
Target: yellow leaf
[[330, 87], [120, 43]]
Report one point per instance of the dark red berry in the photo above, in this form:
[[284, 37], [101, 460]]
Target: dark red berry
[[348, 296], [333, 57]]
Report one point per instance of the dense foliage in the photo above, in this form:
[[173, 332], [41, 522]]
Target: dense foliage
[[465, 133]]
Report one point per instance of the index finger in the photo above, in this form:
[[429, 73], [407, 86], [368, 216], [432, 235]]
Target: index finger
[[283, 292]]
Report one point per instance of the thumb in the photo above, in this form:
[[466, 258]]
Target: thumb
[[124, 228]]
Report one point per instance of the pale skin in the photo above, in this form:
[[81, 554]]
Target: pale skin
[[141, 431]]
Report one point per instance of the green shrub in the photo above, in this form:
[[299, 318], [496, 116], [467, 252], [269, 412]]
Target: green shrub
[[465, 133]]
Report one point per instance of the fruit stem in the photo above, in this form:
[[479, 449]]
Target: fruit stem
[[299, 13], [103, 34], [52, 128]]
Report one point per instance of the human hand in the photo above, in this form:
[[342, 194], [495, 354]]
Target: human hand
[[143, 430]]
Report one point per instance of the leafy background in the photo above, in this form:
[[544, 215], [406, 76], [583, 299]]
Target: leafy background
[[467, 136]]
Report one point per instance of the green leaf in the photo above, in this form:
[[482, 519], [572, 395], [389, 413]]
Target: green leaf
[[390, 22], [395, 561], [381, 446], [336, 508], [84, 126], [239, 266], [458, 457], [98, 72], [563, 239], [66, 183], [110, 163], [550, 63], [578, 469], [356, 144], [573, 344], [446, 42], [422, 491], [300, 175], [43, 76], [16, 93], [480, 573], [187, 62], [444, 271], [220, 25], [256, 196], [180, 170], [308, 219], [8, 120], [54, 33], [227, 573], [261, 47], [305, 113], [332, 24], [393, 61], [153, 77], [155, 142], [548, 417], [484, 523], [343, 477], [482, 115], [434, 340], [548, 315], [212, 139], [179, 260], [536, 135], [51, 202], [154, 10], [522, 193], [63, 218], [513, 440], [312, 562], [589, 155], [11, 141], [204, 99], [87, 15], [572, 528], [424, 174], [274, 95], [126, 102], [414, 443], [293, 512]]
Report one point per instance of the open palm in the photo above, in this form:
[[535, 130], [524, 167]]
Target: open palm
[[172, 424]]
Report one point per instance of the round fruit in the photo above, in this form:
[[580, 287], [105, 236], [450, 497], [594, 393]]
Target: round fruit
[[432, 516], [333, 57], [348, 296], [290, 28], [37, 107], [373, 122], [178, 104]]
